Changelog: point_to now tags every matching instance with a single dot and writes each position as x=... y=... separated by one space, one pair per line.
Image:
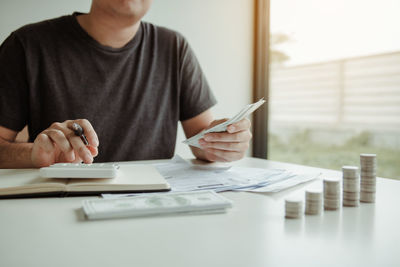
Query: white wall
x=219 y=31
x=16 y=13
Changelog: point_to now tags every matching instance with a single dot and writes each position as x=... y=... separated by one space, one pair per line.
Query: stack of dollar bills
x=246 y=111
x=156 y=204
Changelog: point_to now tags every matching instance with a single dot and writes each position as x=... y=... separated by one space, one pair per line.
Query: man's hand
x=59 y=143
x=227 y=146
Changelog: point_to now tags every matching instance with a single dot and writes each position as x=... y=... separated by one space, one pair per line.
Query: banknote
x=246 y=111
x=156 y=204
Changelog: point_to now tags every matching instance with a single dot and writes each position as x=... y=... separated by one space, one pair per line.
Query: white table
x=53 y=232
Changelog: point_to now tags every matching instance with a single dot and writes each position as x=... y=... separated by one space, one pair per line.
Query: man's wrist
x=16 y=155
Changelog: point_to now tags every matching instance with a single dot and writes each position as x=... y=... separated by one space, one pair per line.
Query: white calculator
x=80 y=170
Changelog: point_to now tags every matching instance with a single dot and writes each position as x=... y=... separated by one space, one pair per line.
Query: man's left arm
x=225 y=146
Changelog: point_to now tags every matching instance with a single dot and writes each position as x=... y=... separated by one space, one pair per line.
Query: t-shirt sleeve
x=13 y=84
x=195 y=96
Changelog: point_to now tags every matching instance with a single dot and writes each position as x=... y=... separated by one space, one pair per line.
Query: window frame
x=261 y=77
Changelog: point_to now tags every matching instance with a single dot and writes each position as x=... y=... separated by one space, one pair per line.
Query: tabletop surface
x=54 y=232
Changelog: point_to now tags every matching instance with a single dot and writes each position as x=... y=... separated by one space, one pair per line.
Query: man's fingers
x=70 y=140
x=93 y=150
x=75 y=141
x=59 y=138
x=88 y=131
x=239 y=126
x=83 y=151
x=59 y=143
x=213 y=157
x=45 y=143
x=225 y=155
x=216 y=122
x=86 y=153
x=228 y=146
x=242 y=136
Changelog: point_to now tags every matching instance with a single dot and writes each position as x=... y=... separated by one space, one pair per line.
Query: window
x=334 y=83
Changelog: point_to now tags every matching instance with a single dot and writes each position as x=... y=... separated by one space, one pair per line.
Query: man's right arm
x=58 y=143
x=14 y=155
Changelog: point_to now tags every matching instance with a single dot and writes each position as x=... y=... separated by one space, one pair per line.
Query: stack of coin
x=313 y=202
x=293 y=208
x=351 y=186
x=331 y=194
x=368 y=177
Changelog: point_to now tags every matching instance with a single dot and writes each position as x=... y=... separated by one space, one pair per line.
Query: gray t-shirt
x=134 y=96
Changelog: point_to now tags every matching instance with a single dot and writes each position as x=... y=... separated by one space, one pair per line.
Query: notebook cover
x=76 y=194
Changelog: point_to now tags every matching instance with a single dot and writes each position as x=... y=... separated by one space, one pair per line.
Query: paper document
x=183 y=176
x=246 y=111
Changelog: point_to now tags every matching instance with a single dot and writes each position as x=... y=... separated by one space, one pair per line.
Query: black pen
x=78 y=130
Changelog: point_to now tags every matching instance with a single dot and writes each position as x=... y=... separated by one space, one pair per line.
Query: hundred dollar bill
x=156 y=204
x=246 y=111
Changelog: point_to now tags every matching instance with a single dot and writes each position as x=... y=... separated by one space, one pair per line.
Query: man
x=126 y=82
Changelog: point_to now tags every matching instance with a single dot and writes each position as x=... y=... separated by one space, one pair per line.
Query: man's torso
x=130 y=95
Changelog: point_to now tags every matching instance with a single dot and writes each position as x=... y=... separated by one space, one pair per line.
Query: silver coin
x=369 y=189
x=315 y=197
x=351 y=196
x=355 y=188
x=368 y=182
x=349 y=170
x=330 y=202
x=368 y=197
x=351 y=203
x=331 y=207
